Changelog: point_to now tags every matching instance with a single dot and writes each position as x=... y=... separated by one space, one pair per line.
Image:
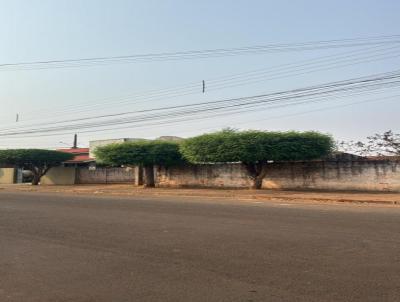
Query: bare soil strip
x=243 y=194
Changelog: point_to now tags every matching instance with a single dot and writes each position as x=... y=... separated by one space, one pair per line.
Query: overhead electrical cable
x=163 y=108
x=200 y=54
x=190 y=119
x=284 y=98
x=341 y=61
x=266 y=119
x=169 y=107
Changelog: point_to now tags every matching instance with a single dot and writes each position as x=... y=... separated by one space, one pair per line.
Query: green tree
x=35 y=160
x=255 y=148
x=145 y=154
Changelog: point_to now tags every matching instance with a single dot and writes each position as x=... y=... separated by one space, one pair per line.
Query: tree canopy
x=145 y=154
x=255 y=148
x=36 y=160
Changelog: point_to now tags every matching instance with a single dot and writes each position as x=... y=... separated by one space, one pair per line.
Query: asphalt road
x=82 y=249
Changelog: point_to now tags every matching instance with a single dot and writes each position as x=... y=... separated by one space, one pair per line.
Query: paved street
x=82 y=249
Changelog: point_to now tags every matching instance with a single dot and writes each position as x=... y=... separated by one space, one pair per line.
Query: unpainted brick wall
x=364 y=175
x=213 y=175
x=105 y=175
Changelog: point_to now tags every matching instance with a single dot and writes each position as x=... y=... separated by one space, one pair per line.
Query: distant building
x=170 y=138
x=344 y=156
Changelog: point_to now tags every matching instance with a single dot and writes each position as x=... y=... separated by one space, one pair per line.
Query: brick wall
x=361 y=175
x=105 y=175
x=364 y=175
x=217 y=175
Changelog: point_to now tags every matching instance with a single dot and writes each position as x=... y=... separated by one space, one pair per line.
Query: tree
x=145 y=154
x=35 y=160
x=387 y=143
x=255 y=148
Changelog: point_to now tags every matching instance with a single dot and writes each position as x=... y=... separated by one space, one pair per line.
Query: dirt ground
x=261 y=195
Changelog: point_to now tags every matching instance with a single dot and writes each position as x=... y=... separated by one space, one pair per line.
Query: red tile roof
x=81 y=155
x=75 y=150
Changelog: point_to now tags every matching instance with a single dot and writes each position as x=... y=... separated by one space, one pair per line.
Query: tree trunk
x=257 y=172
x=148 y=177
x=36 y=178
x=257 y=183
x=38 y=173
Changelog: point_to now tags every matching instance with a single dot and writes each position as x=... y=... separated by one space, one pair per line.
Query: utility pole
x=75 y=146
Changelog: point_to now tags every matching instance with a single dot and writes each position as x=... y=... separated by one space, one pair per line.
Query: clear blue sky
x=35 y=30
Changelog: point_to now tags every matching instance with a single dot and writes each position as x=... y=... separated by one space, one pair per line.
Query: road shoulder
x=261 y=196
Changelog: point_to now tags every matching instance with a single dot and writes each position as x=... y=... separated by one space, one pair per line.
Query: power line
x=196 y=107
x=283 y=98
x=175 y=121
x=201 y=54
x=281 y=71
x=307 y=111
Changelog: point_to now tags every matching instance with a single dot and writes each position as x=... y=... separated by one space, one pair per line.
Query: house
x=81 y=157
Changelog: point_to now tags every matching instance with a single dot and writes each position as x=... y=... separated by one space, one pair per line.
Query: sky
x=40 y=30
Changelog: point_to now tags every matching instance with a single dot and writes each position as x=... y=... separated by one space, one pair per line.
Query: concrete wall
x=217 y=175
x=323 y=175
x=59 y=176
x=7 y=175
x=361 y=175
x=330 y=175
x=105 y=175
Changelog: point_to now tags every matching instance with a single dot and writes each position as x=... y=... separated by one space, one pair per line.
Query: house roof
x=75 y=150
x=81 y=159
x=81 y=155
